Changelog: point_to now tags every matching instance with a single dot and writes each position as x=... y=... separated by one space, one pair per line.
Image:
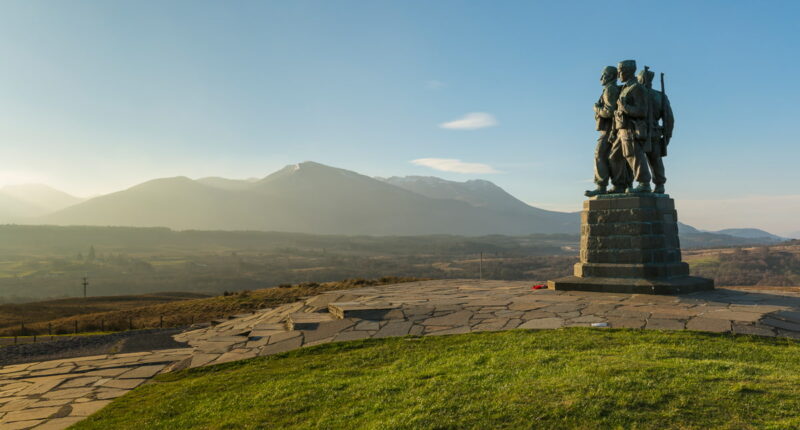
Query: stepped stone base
x=629 y=244
x=677 y=285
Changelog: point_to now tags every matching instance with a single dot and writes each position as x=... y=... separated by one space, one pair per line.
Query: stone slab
x=543 y=323
x=664 y=324
x=366 y=311
x=709 y=324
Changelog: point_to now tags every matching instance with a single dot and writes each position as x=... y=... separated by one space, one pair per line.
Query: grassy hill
x=175 y=309
x=559 y=379
x=12 y=314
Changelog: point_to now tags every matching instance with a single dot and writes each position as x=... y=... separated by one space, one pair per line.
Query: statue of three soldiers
x=632 y=142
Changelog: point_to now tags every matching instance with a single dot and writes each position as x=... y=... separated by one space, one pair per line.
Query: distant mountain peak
x=26 y=200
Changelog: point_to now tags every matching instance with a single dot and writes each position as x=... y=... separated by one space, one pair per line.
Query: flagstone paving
x=55 y=394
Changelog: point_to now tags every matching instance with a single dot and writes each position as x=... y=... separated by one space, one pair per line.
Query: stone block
x=627 y=256
x=647 y=241
x=597 y=204
x=367 y=311
x=620 y=215
x=619 y=270
x=671 y=241
x=665 y=203
x=633 y=202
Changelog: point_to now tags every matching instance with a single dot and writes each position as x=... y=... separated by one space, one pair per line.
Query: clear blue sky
x=98 y=96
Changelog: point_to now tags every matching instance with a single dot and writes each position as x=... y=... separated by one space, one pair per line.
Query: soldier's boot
x=644 y=187
x=659 y=189
x=617 y=190
x=601 y=189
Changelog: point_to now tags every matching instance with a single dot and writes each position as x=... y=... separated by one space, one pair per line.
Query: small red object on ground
x=538 y=287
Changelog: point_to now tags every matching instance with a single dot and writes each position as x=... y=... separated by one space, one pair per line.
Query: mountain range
x=314 y=198
x=309 y=198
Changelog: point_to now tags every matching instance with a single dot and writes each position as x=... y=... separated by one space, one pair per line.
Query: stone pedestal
x=629 y=244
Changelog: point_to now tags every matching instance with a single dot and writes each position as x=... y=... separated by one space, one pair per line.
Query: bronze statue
x=660 y=134
x=631 y=126
x=604 y=109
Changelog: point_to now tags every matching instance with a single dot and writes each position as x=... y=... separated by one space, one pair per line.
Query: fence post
x=161 y=321
x=15 y=340
x=34 y=338
x=50 y=329
x=76 y=326
x=22 y=328
x=130 y=323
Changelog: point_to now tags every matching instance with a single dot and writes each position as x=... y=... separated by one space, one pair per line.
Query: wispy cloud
x=471 y=121
x=454 y=165
x=433 y=84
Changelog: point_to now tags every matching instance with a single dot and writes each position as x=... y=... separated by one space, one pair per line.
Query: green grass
x=44 y=337
x=572 y=378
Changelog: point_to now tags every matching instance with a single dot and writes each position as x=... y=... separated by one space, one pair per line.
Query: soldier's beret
x=627 y=64
x=610 y=70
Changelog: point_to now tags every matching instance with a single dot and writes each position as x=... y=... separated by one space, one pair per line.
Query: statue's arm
x=610 y=96
x=635 y=103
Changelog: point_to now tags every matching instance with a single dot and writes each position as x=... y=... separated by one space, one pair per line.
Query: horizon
x=466 y=91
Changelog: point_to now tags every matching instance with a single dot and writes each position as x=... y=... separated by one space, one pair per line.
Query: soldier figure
x=604 y=117
x=660 y=134
x=631 y=126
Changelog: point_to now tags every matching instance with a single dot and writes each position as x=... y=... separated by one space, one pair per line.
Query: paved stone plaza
x=55 y=394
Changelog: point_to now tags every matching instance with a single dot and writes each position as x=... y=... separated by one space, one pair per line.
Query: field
x=13 y=314
x=569 y=378
x=40 y=262
x=47 y=262
x=777 y=265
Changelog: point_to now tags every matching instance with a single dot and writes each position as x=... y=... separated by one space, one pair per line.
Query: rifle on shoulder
x=663 y=118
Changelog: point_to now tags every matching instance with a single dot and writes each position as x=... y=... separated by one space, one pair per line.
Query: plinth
x=629 y=244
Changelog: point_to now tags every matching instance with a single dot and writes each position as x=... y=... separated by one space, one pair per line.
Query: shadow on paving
x=122 y=342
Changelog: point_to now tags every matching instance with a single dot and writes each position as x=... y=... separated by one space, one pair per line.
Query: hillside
x=777 y=265
x=154 y=310
x=21 y=202
x=751 y=233
x=66 y=310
